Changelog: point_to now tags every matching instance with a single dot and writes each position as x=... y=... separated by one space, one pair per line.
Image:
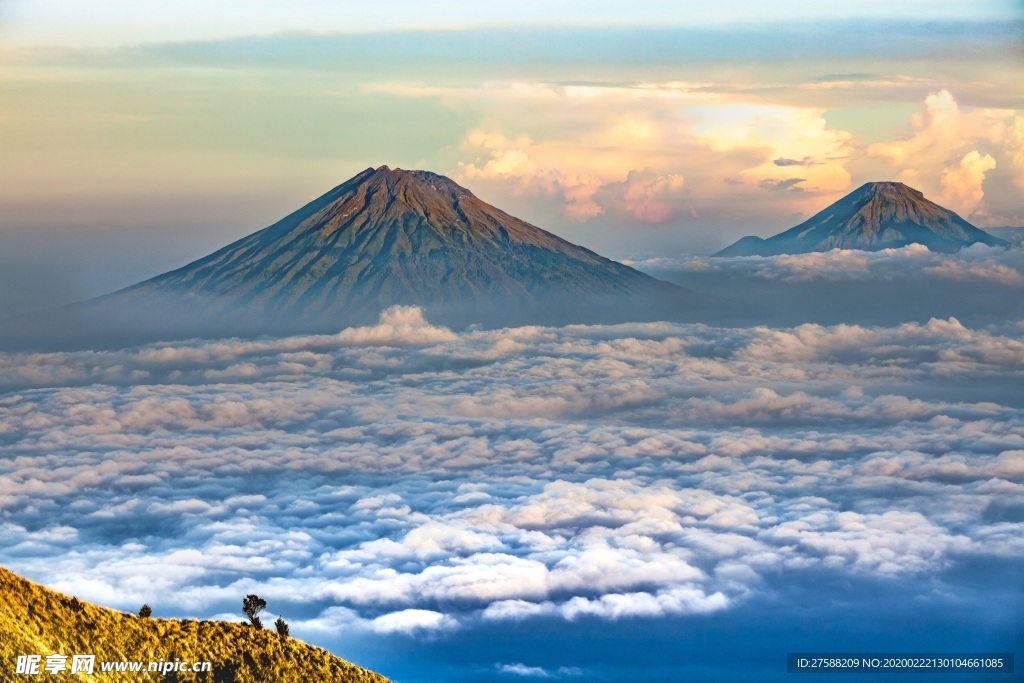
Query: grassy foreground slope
x=36 y=620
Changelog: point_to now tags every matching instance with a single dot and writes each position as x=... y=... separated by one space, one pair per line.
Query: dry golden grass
x=36 y=620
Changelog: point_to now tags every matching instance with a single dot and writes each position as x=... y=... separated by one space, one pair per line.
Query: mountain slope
x=875 y=216
x=36 y=620
x=387 y=237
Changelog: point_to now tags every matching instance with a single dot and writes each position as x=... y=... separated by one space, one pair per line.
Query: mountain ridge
x=875 y=216
x=35 y=620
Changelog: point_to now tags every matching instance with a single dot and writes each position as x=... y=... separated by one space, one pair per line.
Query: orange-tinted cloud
x=641 y=152
x=951 y=150
x=605 y=163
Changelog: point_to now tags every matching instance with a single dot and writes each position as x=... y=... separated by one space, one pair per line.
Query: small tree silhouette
x=145 y=611
x=282 y=627
x=251 y=605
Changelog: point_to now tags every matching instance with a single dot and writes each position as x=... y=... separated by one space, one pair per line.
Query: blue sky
x=122 y=22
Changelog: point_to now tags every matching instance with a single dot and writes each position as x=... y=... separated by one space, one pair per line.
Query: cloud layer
x=403 y=479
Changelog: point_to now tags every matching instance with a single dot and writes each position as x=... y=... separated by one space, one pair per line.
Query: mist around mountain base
x=979 y=286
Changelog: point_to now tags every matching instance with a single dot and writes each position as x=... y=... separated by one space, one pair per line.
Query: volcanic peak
x=391 y=236
x=879 y=215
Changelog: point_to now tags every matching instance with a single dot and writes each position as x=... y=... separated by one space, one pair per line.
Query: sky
x=121 y=22
x=137 y=137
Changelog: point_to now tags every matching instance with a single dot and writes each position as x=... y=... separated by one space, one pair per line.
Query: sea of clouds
x=408 y=479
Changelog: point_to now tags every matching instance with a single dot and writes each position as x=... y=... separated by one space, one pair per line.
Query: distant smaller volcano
x=875 y=216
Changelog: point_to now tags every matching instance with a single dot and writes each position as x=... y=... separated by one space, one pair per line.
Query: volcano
x=875 y=216
x=389 y=237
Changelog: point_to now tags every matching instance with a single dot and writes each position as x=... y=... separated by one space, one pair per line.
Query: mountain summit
x=386 y=237
x=875 y=216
